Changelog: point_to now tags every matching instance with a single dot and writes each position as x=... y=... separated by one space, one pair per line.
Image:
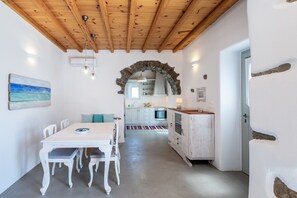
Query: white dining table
x=98 y=136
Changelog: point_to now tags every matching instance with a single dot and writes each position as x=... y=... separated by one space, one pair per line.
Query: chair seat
x=62 y=153
x=96 y=153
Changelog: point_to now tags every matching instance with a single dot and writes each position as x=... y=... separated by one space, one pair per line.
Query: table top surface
x=98 y=133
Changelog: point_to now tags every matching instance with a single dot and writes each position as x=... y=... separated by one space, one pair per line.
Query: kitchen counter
x=190 y=111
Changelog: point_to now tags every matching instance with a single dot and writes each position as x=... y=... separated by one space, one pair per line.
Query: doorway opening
x=229 y=140
x=246 y=130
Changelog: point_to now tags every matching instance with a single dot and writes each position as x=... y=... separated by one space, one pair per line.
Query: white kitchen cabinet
x=140 y=116
x=193 y=136
x=146 y=116
x=131 y=115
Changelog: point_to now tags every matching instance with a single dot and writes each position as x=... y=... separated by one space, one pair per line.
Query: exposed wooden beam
x=25 y=16
x=78 y=17
x=51 y=16
x=162 y=7
x=133 y=4
x=203 y=25
x=190 y=9
x=104 y=15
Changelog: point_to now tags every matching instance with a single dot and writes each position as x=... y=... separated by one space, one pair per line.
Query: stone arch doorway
x=163 y=68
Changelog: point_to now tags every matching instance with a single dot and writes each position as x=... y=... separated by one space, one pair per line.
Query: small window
x=135 y=92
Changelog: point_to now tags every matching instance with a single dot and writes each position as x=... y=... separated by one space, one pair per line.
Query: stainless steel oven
x=160 y=114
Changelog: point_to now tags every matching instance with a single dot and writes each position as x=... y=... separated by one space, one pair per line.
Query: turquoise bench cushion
x=108 y=117
x=98 y=118
x=87 y=118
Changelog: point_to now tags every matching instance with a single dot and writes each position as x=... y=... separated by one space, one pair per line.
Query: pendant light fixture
x=88 y=68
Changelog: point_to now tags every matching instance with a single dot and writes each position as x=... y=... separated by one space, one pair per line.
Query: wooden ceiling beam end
x=205 y=23
x=132 y=12
x=25 y=16
x=104 y=15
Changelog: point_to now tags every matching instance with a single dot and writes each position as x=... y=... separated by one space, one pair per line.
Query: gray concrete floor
x=149 y=168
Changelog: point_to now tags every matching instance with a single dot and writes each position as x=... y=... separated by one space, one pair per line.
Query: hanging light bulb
x=86 y=69
x=93 y=76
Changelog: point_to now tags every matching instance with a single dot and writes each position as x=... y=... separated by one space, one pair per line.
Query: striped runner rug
x=138 y=127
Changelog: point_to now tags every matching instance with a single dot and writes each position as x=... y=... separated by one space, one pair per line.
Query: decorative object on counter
x=163 y=68
x=205 y=76
x=179 y=102
x=82 y=130
x=201 y=94
x=27 y=92
x=147 y=104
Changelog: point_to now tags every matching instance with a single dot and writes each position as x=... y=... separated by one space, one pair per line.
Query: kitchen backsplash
x=155 y=101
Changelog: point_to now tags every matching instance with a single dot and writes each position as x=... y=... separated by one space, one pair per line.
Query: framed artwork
x=27 y=92
x=201 y=94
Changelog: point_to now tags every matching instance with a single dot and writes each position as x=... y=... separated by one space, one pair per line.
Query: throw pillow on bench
x=97 y=118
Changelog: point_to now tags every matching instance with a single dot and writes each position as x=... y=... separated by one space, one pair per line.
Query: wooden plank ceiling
x=121 y=24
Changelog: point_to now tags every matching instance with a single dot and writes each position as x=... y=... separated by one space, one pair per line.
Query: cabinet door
x=131 y=116
x=202 y=137
x=170 y=118
x=135 y=116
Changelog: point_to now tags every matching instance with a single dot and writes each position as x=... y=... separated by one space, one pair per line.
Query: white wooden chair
x=65 y=123
x=97 y=156
x=61 y=155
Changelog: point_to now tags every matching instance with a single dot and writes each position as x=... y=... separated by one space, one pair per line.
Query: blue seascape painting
x=18 y=88
x=27 y=92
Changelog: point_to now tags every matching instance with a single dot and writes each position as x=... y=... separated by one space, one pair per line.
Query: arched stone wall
x=163 y=68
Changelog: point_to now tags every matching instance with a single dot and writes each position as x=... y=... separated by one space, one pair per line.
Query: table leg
x=43 y=154
x=107 y=153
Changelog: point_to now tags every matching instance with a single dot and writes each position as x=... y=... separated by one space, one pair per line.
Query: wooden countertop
x=190 y=111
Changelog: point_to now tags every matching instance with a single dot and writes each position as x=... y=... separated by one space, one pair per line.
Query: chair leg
x=60 y=165
x=86 y=152
x=97 y=166
x=70 y=166
x=91 y=164
x=77 y=159
x=53 y=168
x=81 y=150
x=116 y=170
x=119 y=166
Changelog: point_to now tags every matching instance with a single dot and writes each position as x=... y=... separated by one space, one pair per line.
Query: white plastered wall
x=26 y=52
x=215 y=49
x=273 y=30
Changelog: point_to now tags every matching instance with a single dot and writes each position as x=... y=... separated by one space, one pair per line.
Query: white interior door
x=246 y=129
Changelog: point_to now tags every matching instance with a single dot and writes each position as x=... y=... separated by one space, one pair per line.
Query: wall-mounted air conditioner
x=81 y=61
